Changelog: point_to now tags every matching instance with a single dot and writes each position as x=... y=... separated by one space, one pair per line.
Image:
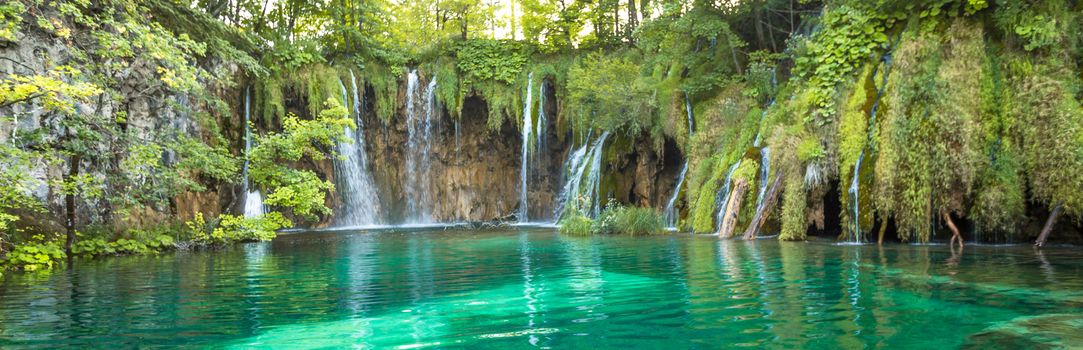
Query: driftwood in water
x=1049 y=223
x=955 y=235
x=769 y=201
x=733 y=209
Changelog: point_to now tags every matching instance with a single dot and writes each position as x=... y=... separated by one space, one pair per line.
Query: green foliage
x=58 y=90
x=35 y=256
x=482 y=60
x=607 y=92
x=133 y=242
x=615 y=219
x=851 y=34
x=933 y=100
x=677 y=39
x=1050 y=124
x=794 y=220
x=300 y=191
x=576 y=224
x=11 y=17
x=232 y=228
x=626 y=220
x=1036 y=23
x=15 y=186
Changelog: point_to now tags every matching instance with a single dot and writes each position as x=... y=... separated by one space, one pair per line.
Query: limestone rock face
x=473 y=173
x=150 y=114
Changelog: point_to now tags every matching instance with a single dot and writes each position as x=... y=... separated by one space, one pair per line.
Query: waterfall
x=543 y=126
x=723 y=197
x=253 y=200
x=688 y=111
x=854 y=183
x=670 y=213
x=765 y=176
x=524 y=166
x=595 y=174
x=578 y=164
x=572 y=175
x=856 y=236
x=355 y=186
x=418 y=151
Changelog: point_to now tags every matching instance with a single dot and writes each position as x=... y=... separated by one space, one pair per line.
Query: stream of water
x=531 y=287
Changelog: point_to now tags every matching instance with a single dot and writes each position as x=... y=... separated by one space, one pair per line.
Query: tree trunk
x=883 y=230
x=511 y=20
x=769 y=202
x=757 y=17
x=69 y=204
x=733 y=209
x=464 y=26
x=955 y=235
x=633 y=22
x=1049 y=223
x=733 y=54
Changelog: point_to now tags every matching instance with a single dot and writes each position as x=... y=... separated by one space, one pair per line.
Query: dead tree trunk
x=1049 y=223
x=762 y=213
x=733 y=208
x=955 y=235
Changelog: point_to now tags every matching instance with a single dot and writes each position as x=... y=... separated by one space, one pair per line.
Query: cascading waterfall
x=543 y=123
x=765 y=153
x=854 y=195
x=578 y=164
x=857 y=236
x=688 y=111
x=765 y=174
x=253 y=200
x=355 y=185
x=669 y=214
x=418 y=151
x=524 y=166
x=595 y=174
x=723 y=198
x=572 y=175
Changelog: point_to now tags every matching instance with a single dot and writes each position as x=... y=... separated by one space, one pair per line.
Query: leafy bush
x=235 y=228
x=35 y=256
x=92 y=247
x=129 y=246
x=300 y=191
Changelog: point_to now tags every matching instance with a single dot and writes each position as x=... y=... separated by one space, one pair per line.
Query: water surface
x=523 y=287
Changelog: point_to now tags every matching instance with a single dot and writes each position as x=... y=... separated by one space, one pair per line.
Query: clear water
x=524 y=287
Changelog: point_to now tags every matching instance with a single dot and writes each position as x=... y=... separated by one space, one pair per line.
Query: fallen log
x=1049 y=223
x=769 y=202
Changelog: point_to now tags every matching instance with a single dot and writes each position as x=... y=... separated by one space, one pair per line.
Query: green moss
x=794 y=221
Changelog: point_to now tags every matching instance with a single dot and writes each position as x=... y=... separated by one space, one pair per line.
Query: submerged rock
x=1057 y=331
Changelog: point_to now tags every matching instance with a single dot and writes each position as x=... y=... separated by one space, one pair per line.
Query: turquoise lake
x=532 y=287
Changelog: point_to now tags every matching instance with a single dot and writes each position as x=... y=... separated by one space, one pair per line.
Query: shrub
x=233 y=228
x=576 y=224
x=619 y=219
x=92 y=247
x=35 y=256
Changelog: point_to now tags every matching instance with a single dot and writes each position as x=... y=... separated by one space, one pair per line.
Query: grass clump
x=619 y=219
x=576 y=225
x=616 y=219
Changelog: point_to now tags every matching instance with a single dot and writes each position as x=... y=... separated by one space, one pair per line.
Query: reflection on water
x=532 y=287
